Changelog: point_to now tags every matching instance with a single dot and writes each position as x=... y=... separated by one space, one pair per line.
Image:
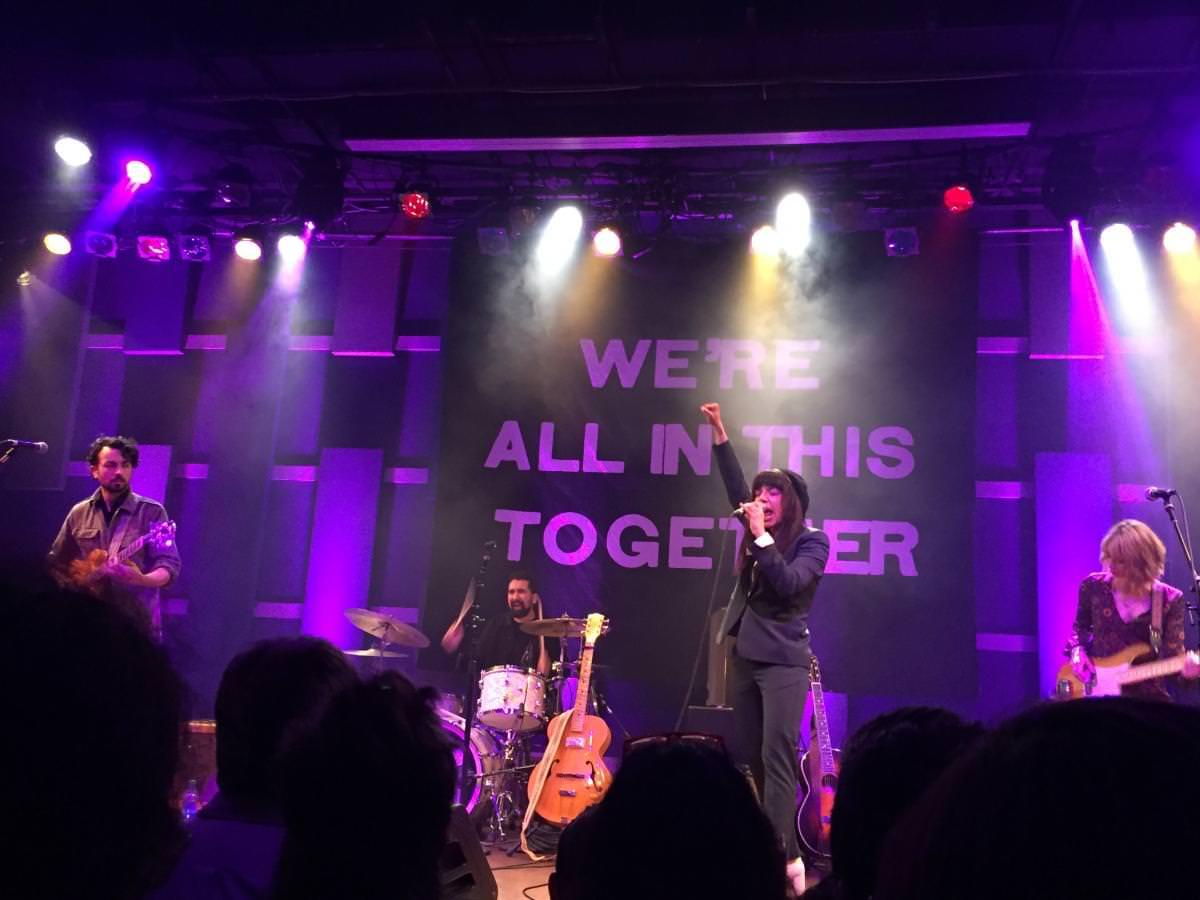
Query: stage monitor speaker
x=465 y=872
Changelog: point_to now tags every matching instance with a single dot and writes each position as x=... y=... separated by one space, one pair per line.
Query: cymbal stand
x=474 y=622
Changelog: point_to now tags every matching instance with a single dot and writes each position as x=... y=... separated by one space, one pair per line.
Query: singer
x=502 y=642
x=779 y=566
x=1126 y=604
x=113 y=517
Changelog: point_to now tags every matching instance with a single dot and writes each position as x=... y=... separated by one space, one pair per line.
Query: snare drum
x=512 y=699
x=485 y=757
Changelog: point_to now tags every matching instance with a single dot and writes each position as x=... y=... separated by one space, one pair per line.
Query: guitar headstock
x=814 y=669
x=593 y=628
x=161 y=534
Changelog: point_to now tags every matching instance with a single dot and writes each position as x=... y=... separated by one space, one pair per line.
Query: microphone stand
x=1192 y=604
x=474 y=622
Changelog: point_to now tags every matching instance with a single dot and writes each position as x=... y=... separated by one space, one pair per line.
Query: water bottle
x=190 y=802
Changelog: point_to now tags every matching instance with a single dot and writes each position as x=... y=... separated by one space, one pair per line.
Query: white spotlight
x=1128 y=275
x=291 y=248
x=73 y=151
x=1179 y=238
x=557 y=243
x=765 y=242
x=793 y=222
x=1118 y=237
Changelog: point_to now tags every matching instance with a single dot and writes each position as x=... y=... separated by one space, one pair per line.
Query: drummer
x=502 y=642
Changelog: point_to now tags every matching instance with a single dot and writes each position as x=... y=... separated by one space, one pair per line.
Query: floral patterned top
x=1101 y=631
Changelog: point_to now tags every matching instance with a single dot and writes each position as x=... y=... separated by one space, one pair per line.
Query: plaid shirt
x=85 y=529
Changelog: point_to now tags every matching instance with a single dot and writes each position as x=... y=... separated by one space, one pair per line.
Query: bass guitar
x=571 y=776
x=85 y=573
x=818 y=778
x=1112 y=672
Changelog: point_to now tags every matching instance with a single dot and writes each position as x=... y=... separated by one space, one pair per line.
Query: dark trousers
x=768 y=703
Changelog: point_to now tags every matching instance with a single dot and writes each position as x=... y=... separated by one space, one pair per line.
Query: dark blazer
x=769 y=607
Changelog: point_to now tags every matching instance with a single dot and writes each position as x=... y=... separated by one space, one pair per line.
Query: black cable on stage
x=687 y=696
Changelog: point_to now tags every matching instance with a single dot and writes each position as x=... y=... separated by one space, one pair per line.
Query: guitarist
x=779 y=565
x=113 y=517
x=1117 y=607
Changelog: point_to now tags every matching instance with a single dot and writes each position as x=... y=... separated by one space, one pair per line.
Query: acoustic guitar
x=85 y=573
x=571 y=776
x=1112 y=672
x=818 y=778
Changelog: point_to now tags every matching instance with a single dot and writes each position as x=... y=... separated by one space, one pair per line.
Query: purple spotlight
x=1075 y=226
x=138 y=172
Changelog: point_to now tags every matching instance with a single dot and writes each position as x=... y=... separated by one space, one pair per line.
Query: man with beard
x=502 y=642
x=112 y=518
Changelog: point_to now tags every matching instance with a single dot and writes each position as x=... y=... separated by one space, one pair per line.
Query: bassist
x=111 y=518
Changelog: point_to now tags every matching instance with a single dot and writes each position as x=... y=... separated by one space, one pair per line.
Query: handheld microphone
x=1157 y=493
x=35 y=446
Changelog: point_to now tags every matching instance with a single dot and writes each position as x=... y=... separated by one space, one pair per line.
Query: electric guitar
x=571 y=775
x=818 y=778
x=85 y=573
x=1120 y=669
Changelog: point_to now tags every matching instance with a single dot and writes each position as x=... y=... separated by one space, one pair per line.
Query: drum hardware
x=386 y=629
x=377 y=652
x=562 y=627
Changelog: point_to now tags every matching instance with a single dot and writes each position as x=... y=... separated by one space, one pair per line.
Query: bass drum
x=484 y=760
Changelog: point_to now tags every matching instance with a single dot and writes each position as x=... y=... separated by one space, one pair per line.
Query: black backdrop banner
x=572 y=436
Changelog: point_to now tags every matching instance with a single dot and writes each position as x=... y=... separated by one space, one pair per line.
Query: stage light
x=415 y=204
x=557 y=243
x=1128 y=275
x=606 y=242
x=902 y=241
x=958 y=198
x=291 y=248
x=72 y=151
x=100 y=243
x=765 y=241
x=1179 y=238
x=247 y=248
x=57 y=243
x=793 y=224
x=153 y=247
x=194 y=247
x=1116 y=237
x=25 y=279
x=138 y=172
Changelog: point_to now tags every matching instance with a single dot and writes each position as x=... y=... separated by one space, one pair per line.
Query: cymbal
x=388 y=629
x=558 y=628
x=375 y=651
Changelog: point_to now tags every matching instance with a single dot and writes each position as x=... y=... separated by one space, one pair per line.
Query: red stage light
x=415 y=205
x=958 y=198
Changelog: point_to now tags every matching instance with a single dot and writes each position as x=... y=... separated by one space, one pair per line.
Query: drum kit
x=514 y=704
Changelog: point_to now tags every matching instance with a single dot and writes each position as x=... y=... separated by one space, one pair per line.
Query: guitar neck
x=824 y=744
x=1152 y=670
x=581 y=694
x=133 y=548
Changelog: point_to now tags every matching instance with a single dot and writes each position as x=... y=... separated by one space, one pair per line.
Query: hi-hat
x=557 y=628
x=375 y=651
x=388 y=629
